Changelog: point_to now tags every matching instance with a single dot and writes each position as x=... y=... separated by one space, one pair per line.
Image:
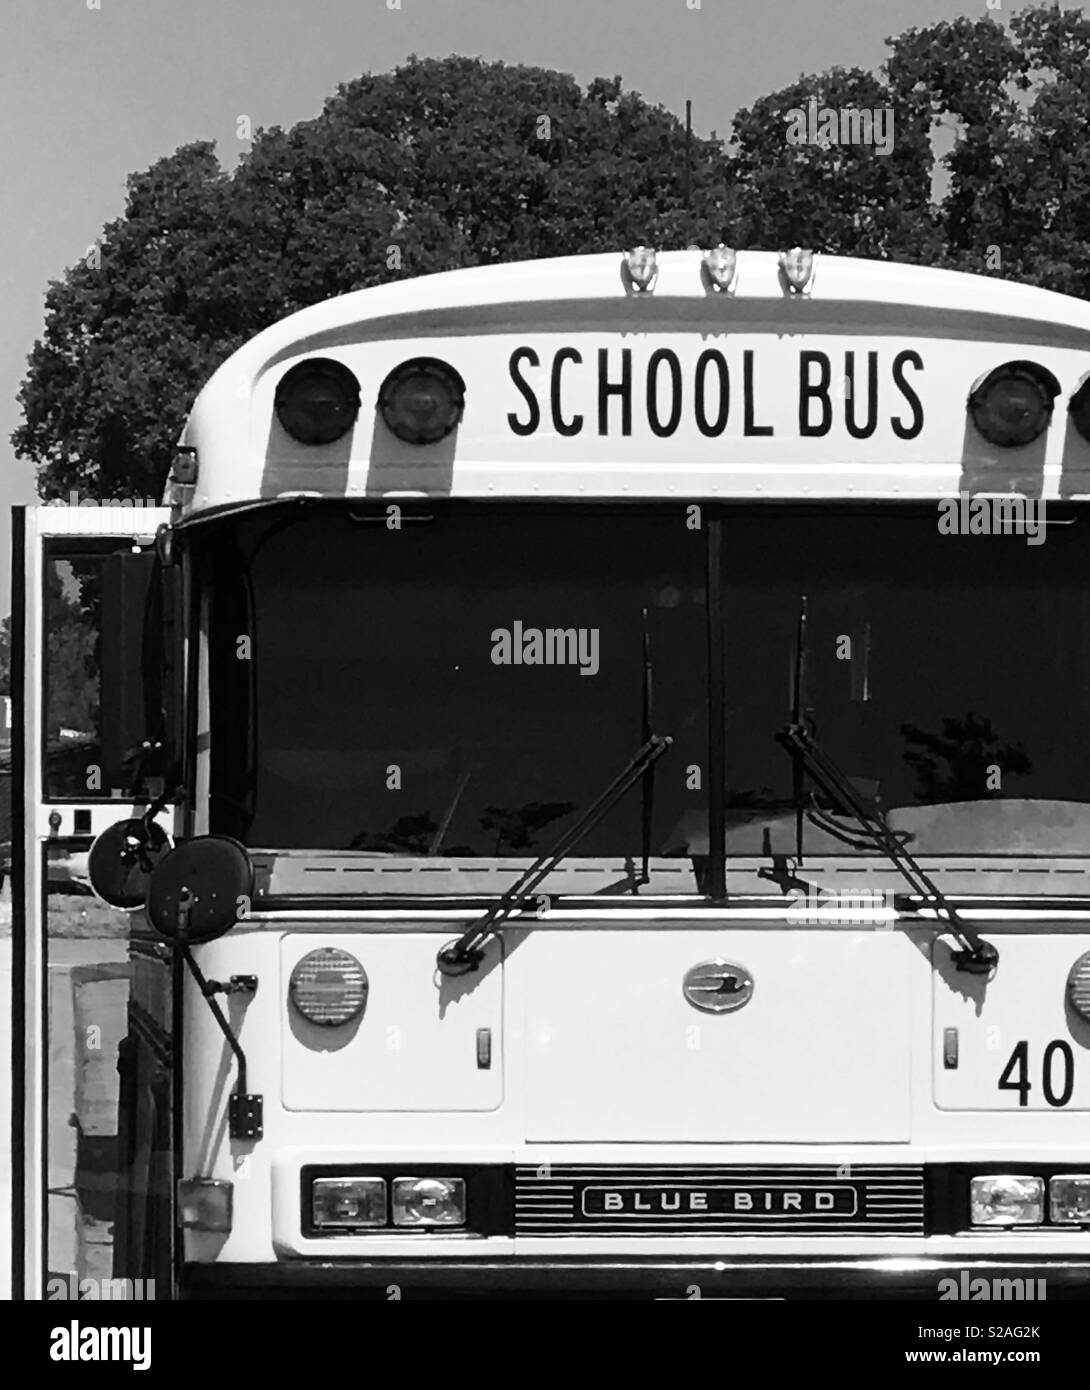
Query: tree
x=454 y=162
x=442 y=163
x=969 y=747
x=72 y=652
x=519 y=827
x=841 y=198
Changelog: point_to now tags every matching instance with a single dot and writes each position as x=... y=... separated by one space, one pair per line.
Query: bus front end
x=635 y=847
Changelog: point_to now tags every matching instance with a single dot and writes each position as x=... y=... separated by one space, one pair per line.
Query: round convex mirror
x=200 y=890
x=122 y=859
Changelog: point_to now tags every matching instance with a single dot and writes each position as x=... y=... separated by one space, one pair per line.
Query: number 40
x=1016 y=1073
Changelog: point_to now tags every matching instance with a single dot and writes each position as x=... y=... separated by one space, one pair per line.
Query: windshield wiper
x=466 y=953
x=977 y=957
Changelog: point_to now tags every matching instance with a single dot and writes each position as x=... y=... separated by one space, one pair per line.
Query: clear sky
x=91 y=90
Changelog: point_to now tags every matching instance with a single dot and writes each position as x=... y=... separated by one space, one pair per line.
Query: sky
x=93 y=90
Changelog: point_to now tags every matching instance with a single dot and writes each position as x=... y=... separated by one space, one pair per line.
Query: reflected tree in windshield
x=518 y=830
x=408 y=835
x=971 y=752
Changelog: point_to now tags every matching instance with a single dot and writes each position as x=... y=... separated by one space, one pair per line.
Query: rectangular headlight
x=1069 y=1199
x=429 y=1201
x=340 y=1203
x=1003 y=1199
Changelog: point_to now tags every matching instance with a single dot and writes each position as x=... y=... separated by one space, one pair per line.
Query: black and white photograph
x=545 y=670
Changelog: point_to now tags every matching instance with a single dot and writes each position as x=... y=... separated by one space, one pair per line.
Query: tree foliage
x=969 y=748
x=72 y=653
x=454 y=162
x=437 y=165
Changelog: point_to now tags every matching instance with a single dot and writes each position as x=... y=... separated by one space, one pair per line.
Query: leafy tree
x=412 y=834
x=841 y=198
x=442 y=163
x=455 y=162
x=72 y=655
x=518 y=829
x=1015 y=185
x=968 y=747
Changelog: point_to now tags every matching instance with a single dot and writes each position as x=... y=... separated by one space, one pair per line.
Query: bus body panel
x=798 y=422
x=612 y=1128
x=784 y=1067
x=422 y=1042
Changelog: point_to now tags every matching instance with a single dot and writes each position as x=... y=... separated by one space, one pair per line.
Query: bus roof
x=577 y=384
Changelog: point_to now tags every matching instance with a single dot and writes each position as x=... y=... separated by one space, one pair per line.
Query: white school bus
x=604 y=802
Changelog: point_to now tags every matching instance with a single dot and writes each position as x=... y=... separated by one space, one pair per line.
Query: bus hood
x=601 y=1032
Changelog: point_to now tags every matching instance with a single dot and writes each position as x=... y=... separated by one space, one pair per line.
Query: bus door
x=93 y=685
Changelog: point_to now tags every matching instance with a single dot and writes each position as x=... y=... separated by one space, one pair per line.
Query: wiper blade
x=466 y=953
x=977 y=957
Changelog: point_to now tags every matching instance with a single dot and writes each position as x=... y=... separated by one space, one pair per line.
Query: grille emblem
x=717 y=986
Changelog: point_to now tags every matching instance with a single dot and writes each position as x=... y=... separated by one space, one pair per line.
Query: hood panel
x=617 y=1053
x=414 y=1047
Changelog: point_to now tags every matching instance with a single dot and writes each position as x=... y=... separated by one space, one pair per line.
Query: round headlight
x=317 y=401
x=1078 y=986
x=422 y=400
x=328 y=987
x=1013 y=405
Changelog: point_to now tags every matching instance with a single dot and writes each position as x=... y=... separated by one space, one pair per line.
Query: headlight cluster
x=1010 y=1199
x=350 y=1204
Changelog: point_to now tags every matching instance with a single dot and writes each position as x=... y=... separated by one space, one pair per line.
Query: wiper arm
x=465 y=954
x=977 y=957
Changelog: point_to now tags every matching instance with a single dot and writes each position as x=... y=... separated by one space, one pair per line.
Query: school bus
x=591 y=757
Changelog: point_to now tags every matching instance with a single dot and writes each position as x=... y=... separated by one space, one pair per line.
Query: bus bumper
x=842 y=1278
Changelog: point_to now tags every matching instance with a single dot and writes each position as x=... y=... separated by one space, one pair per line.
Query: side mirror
x=200 y=890
x=123 y=858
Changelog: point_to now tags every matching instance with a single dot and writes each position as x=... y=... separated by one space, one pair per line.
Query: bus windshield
x=458 y=682
x=466 y=682
x=940 y=668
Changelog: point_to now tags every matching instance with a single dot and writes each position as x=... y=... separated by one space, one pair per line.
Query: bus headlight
x=317 y=401
x=1007 y=1200
x=328 y=987
x=1069 y=1200
x=1078 y=986
x=1012 y=405
x=340 y=1203
x=422 y=400
x=429 y=1202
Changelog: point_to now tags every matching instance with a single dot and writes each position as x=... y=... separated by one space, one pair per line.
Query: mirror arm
x=169 y=794
x=244 y=1111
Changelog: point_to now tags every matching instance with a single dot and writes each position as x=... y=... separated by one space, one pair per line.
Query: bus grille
x=641 y=1199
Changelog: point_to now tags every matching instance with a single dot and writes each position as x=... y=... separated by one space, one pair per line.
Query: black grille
x=801 y=1199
